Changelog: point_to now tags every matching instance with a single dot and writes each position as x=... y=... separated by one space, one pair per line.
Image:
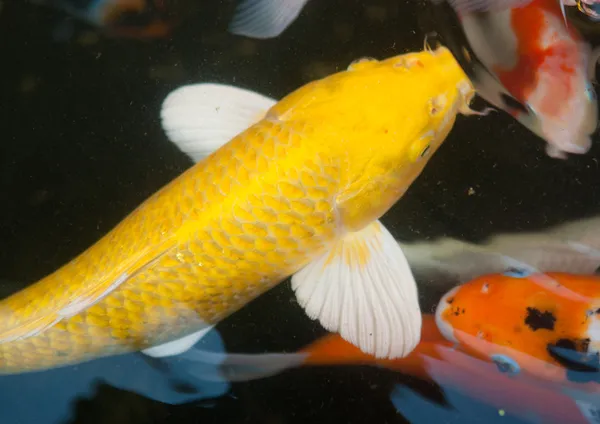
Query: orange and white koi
x=523 y=343
x=529 y=63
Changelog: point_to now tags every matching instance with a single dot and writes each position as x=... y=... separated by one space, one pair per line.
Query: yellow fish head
x=385 y=119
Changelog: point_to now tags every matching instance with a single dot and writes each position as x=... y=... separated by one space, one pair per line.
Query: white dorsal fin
x=364 y=290
x=200 y=118
x=265 y=18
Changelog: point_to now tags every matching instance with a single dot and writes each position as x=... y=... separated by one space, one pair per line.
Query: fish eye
x=420 y=147
x=506 y=365
x=517 y=273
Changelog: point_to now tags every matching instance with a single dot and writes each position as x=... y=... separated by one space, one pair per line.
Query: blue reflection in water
x=48 y=397
x=463 y=409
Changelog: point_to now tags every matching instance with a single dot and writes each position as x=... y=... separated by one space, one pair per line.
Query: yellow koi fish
x=297 y=192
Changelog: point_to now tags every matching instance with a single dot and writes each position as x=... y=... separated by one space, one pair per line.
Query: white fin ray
x=265 y=18
x=364 y=290
x=175 y=347
x=200 y=118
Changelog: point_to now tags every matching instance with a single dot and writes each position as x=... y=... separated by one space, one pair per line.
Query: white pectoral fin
x=364 y=289
x=175 y=347
x=200 y=118
x=265 y=18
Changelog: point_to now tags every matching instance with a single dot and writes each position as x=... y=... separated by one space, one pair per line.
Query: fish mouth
x=443 y=326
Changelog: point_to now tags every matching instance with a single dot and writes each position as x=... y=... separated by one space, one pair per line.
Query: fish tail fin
x=200 y=118
x=265 y=18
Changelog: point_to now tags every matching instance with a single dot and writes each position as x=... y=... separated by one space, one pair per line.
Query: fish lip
x=445 y=329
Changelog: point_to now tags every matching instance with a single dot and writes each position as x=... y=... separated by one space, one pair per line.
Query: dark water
x=81 y=146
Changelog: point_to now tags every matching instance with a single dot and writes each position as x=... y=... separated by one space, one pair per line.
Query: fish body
x=298 y=192
x=534 y=66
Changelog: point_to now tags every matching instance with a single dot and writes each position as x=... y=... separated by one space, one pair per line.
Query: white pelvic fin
x=364 y=290
x=200 y=118
x=175 y=347
x=265 y=18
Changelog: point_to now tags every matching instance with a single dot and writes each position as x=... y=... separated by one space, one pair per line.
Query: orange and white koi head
x=545 y=324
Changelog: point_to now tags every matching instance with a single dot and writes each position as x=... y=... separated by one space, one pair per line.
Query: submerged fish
x=533 y=66
x=297 y=193
x=265 y=18
x=572 y=247
x=437 y=360
x=125 y=18
x=523 y=344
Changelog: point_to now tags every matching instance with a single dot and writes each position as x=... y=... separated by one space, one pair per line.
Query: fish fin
x=200 y=118
x=81 y=297
x=364 y=290
x=265 y=18
x=175 y=347
x=479 y=6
